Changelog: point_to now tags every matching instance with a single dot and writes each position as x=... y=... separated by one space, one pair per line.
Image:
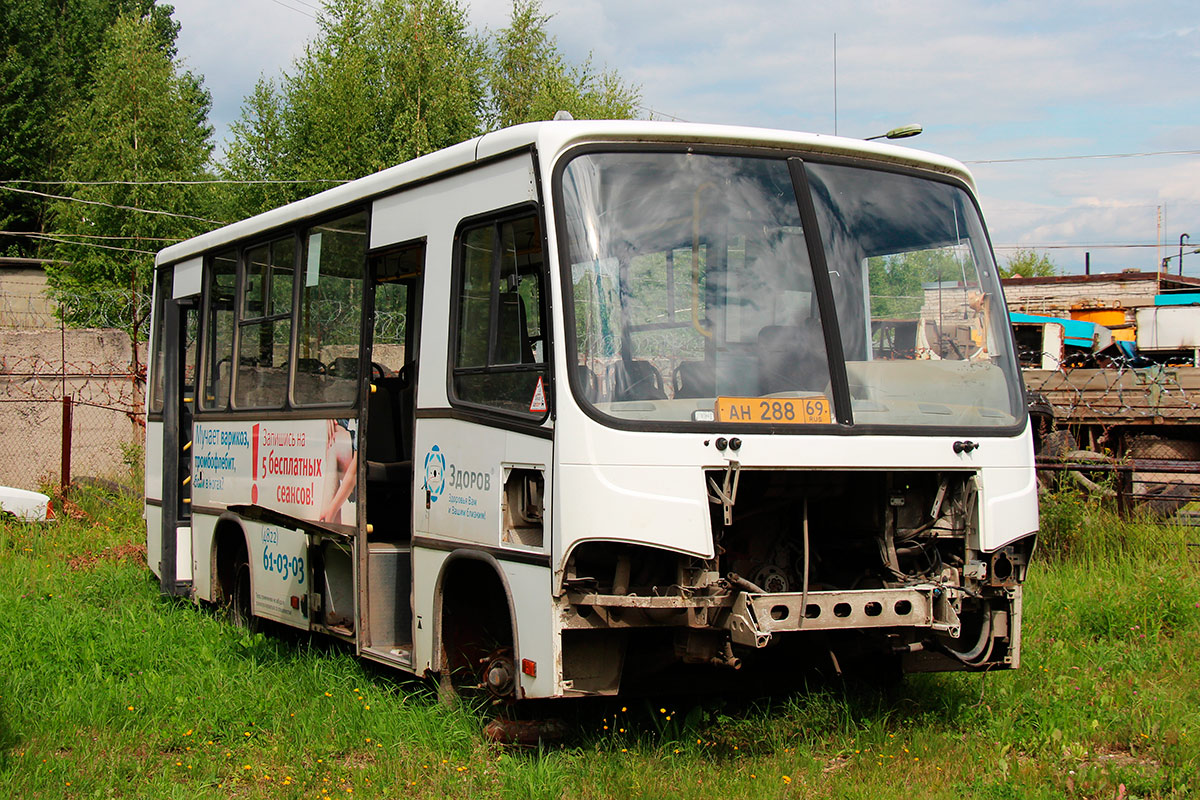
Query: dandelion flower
x=786 y=779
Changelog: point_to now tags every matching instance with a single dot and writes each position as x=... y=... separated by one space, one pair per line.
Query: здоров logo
x=435 y=473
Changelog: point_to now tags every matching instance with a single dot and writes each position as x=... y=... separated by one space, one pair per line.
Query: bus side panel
x=426 y=566
x=153 y=488
x=536 y=645
x=529 y=588
x=458 y=480
x=153 y=516
x=203 y=583
x=279 y=572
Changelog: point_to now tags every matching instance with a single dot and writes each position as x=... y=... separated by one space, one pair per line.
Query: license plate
x=774 y=410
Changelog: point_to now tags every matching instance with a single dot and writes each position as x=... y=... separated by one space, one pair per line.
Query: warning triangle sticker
x=538 y=404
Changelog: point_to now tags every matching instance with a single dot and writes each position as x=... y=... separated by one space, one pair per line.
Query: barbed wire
x=1079 y=389
x=35 y=306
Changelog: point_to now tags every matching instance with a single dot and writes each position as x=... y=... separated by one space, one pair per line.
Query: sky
x=1018 y=90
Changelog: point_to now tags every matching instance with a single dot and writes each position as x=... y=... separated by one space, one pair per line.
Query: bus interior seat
x=695 y=379
x=792 y=358
x=636 y=380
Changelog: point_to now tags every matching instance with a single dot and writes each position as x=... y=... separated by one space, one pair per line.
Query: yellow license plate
x=774 y=410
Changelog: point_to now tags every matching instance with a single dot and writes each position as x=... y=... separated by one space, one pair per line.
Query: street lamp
x=903 y=132
x=1182 y=236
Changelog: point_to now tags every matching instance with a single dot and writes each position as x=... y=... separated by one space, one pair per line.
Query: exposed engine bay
x=863 y=564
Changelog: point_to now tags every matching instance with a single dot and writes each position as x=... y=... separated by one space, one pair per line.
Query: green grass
x=107 y=690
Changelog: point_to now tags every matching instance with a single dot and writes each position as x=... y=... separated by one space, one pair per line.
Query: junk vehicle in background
x=581 y=407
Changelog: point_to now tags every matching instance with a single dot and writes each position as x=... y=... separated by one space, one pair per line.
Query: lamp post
x=1182 y=236
x=903 y=132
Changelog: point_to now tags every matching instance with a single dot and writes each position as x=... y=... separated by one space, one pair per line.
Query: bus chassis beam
x=755 y=618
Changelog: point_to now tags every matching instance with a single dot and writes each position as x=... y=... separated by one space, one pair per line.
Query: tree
x=1028 y=264
x=142 y=121
x=386 y=81
x=529 y=79
x=47 y=48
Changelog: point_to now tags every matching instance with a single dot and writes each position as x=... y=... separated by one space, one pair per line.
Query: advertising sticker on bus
x=305 y=468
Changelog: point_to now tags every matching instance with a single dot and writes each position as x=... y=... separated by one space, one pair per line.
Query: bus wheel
x=240 y=613
x=477 y=635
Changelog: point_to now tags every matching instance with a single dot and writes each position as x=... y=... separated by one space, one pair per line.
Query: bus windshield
x=693 y=294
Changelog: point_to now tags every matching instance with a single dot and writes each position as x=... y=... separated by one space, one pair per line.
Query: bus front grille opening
x=880 y=559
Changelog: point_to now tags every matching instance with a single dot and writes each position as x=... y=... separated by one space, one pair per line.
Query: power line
x=206 y=182
x=94 y=236
x=1083 y=157
x=650 y=110
x=1083 y=246
x=109 y=205
x=293 y=8
x=94 y=245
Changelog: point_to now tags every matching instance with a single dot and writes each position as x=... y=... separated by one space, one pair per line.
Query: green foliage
x=529 y=79
x=896 y=280
x=153 y=130
x=384 y=81
x=1028 y=264
x=47 y=48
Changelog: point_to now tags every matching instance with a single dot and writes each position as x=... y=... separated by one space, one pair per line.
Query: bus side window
x=499 y=356
x=218 y=329
x=332 y=275
x=162 y=289
x=265 y=325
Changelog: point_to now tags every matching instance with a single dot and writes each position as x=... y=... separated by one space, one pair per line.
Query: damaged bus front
x=796 y=429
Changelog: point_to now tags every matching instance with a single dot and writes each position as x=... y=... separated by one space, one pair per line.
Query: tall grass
x=108 y=690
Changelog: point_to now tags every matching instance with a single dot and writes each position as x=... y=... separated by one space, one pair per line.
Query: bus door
x=394 y=317
x=180 y=322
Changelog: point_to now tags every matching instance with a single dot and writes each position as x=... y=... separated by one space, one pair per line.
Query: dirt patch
x=123 y=552
x=1120 y=756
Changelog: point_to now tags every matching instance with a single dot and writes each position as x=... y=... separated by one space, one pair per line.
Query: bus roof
x=551 y=138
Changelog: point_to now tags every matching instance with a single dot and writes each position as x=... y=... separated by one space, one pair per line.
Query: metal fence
x=70 y=406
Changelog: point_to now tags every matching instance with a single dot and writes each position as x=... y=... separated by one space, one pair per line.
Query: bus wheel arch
x=475 y=631
x=231 y=567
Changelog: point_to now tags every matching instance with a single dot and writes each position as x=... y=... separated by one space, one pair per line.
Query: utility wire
x=650 y=110
x=1069 y=246
x=293 y=8
x=206 y=182
x=47 y=238
x=1080 y=158
x=94 y=236
x=109 y=205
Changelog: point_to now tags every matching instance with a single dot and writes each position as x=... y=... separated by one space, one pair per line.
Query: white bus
x=577 y=408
